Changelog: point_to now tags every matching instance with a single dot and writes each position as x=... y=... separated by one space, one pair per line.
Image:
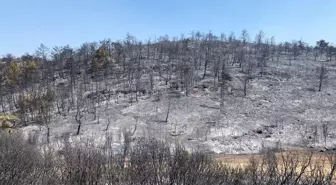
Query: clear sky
x=24 y=24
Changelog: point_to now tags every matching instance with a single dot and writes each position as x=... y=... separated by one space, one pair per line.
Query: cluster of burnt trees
x=152 y=162
x=61 y=79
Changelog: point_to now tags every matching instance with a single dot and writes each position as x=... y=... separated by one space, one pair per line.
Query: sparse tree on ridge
x=322 y=45
x=322 y=74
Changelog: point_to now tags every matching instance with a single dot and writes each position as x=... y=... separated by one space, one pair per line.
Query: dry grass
x=245 y=159
x=303 y=160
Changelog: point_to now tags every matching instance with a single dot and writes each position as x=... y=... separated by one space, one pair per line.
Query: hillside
x=206 y=93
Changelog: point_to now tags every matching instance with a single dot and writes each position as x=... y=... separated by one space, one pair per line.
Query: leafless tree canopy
x=134 y=68
x=151 y=162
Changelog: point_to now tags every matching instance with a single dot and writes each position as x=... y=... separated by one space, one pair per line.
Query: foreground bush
x=149 y=162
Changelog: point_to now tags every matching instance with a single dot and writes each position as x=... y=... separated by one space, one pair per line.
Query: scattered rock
x=214 y=139
x=258 y=131
x=174 y=85
x=213 y=89
x=206 y=84
x=235 y=137
x=323 y=149
x=310 y=89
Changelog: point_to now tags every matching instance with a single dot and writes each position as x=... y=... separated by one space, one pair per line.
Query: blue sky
x=24 y=24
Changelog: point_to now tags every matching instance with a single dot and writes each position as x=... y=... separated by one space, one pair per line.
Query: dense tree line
x=61 y=79
x=152 y=162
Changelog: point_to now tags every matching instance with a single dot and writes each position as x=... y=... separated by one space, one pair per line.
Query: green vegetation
x=7 y=122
